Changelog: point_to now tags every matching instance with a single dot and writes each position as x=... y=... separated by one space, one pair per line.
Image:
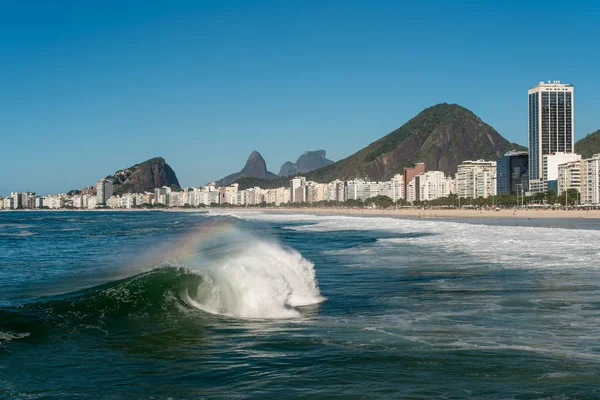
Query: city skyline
x=88 y=94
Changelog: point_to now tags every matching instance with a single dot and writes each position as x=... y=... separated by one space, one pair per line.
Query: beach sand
x=446 y=214
x=403 y=213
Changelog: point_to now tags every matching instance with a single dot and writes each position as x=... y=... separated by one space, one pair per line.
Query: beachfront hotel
x=551 y=126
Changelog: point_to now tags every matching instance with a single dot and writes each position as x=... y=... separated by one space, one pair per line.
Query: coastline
x=433 y=214
x=402 y=213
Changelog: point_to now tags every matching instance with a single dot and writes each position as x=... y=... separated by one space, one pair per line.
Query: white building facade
x=590 y=177
x=476 y=179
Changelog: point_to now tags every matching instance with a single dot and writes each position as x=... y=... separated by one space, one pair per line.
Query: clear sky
x=89 y=87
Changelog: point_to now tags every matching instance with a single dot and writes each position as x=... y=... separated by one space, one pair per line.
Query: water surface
x=111 y=305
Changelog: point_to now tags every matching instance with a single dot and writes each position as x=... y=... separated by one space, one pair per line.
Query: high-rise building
x=551 y=125
x=17 y=200
x=512 y=172
x=476 y=179
x=104 y=190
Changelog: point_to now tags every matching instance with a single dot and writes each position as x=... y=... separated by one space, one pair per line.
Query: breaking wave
x=233 y=275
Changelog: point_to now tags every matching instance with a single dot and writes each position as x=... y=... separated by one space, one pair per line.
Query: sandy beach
x=446 y=214
x=405 y=212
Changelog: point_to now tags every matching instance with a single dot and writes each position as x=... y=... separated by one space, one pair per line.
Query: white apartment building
x=270 y=196
x=295 y=184
x=8 y=203
x=300 y=194
x=277 y=196
x=335 y=191
x=90 y=202
x=316 y=192
x=228 y=195
x=569 y=176
x=55 y=201
x=476 y=179
x=411 y=191
x=361 y=190
x=77 y=201
x=17 y=200
x=252 y=196
x=433 y=185
x=550 y=163
x=394 y=189
x=486 y=184
x=429 y=185
x=114 y=202
x=590 y=193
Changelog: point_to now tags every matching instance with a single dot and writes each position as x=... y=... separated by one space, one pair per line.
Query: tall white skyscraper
x=551 y=126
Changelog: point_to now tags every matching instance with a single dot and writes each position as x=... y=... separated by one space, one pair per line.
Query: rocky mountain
x=255 y=167
x=441 y=136
x=145 y=176
x=589 y=145
x=307 y=162
x=288 y=168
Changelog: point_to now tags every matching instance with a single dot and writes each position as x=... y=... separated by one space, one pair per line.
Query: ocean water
x=170 y=305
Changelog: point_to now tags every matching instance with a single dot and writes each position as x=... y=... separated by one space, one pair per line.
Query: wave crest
x=228 y=273
x=264 y=281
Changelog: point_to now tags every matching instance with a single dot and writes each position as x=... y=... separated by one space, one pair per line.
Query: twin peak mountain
x=256 y=167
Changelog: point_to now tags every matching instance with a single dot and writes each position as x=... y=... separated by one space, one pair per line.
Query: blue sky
x=90 y=87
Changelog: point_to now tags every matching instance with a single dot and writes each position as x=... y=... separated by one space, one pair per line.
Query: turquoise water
x=112 y=305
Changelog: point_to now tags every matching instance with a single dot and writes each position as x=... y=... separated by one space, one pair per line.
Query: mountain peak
x=441 y=136
x=255 y=167
x=145 y=176
x=308 y=161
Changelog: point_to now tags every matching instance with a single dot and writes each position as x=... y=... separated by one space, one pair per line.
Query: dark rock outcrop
x=441 y=136
x=145 y=176
x=307 y=162
x=589 y=145
x=255 y=167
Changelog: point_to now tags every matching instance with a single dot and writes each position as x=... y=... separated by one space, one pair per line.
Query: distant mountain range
x=256 y=168
x=441 y=136
x=307 y=162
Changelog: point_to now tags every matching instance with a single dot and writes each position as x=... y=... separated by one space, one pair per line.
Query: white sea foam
x=263 y=280
x=8 y=336
x=511 y=246
x=18 y=234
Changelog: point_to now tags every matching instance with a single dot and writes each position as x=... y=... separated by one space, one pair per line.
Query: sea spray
x=217 y=268
x=264 y=280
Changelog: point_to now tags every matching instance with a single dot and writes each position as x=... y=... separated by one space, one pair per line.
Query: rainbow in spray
x=243 y=276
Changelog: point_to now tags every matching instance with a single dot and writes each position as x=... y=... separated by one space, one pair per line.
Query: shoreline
x=357 y=212
x=436 y=214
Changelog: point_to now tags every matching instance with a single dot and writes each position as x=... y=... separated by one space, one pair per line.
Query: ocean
x=193 y=305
